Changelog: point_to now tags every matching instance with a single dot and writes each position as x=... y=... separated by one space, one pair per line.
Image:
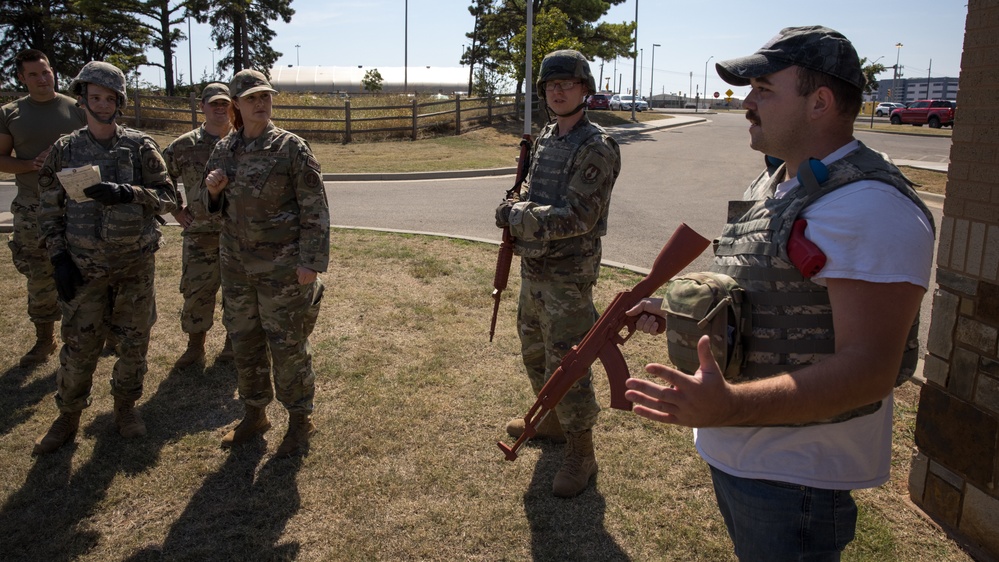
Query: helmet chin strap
x=117 y=111
x=571 y=113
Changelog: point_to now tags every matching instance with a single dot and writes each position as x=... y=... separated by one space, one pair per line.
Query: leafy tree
x=160 y=18
x=241 y=29
x=71 y=33
x=502 y=31
x=870 y=72
x=372 y=81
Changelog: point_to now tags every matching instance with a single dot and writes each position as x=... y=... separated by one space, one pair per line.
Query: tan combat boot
x=44 y=345
x=127 y=419
x=549 y=429
x=226 y=354
x=194 y=353
x=296 y=440
x=254 y=423
x=62 y=431
x=578 y=467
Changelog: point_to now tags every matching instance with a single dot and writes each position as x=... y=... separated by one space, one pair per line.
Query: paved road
x=684 y=174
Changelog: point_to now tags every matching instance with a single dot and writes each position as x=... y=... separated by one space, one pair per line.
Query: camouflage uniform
x=113 y=248
x=557 y=223
x=275 y=219
x=33 y=127
x=200 y=280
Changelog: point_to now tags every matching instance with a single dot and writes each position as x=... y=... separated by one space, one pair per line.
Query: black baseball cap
x=813 y=47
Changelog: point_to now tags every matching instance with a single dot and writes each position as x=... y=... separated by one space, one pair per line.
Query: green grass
x=411 y=399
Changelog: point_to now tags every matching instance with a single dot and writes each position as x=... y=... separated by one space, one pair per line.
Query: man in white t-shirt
x=810 y=418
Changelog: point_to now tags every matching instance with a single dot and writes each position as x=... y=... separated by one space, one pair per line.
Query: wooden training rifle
x=505 y=257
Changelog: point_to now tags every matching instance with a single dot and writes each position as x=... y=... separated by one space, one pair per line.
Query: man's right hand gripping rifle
x=505 y=257
x=603 y=339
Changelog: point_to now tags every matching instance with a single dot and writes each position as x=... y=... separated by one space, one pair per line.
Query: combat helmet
x=103 y=74
x=567 y=63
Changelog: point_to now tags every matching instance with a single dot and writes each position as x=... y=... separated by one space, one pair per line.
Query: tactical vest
x=552 y=164
x=114 y=229
x=790 y=317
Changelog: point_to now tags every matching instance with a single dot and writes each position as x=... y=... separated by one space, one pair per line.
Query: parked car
x=935 y=113
x=886 y=107
x=623 y=103
x=598 y=101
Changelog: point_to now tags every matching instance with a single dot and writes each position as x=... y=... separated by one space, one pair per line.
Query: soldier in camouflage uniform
x=557 y=220
x=809 y=416
x=28 y=127
x=275 y=240
x=102 y=249
x=200 y=280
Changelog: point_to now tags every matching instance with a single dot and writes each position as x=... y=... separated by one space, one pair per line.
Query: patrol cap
x=247 y=82
x=215 y=91
x=813 y=47
x=566 y=63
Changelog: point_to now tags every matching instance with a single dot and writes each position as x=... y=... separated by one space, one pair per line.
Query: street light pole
x=405 y=51
x=634 y=72
x=706 y=79
x=298 y=61
x=894 y=77
x=652 y=73
x=190 y=57
x=212 y=49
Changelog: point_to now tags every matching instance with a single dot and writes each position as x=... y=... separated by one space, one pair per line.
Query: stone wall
x=955 y=470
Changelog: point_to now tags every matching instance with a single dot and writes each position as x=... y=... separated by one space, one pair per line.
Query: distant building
x=912 y=89
x=347 y=79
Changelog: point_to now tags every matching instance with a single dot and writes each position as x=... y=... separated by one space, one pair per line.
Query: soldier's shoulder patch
x=591 y=173
x=312 y=178
x=45 y=177
x=312 y=163
x=154 y=162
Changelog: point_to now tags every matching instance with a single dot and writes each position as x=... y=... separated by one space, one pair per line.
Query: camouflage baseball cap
x=813 y=47
x=215 y=91
x=247 y=82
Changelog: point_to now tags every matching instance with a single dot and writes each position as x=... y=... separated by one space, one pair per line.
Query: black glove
x=110 y=193
x=67 y=276
x=503 y=214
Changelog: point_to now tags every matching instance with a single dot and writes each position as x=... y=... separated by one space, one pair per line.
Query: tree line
x=122 y=32
x=74 y=32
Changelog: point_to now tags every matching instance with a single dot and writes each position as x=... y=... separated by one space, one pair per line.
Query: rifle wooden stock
x=505 y=257
x=603 y=339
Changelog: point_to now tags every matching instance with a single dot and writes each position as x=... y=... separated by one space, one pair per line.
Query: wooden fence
x=332 y=122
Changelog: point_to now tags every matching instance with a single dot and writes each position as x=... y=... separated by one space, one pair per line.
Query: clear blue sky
x=371 y=33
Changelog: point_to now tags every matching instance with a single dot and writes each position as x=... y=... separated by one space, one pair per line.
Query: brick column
x=955 y=469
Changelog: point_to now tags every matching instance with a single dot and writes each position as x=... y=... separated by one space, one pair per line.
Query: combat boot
x=194 y=353
x=62 y=431
x=254 y=423
x=549 y=429
x=127 y=419
x=226 y=354
x=578 y=467
x=44 y=345
x=296 y=440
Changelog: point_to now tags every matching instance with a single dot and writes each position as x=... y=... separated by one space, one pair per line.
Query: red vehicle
x=935 y=113
x=598 y=101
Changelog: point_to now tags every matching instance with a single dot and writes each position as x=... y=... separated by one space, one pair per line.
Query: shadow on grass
x=17 y=399
x=47 y=519
x=235 y=516
x=566 y=529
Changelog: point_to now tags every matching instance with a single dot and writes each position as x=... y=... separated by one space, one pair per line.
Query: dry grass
x=411 y=400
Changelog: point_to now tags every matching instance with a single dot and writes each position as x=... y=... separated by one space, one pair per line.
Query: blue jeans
x=776 y=521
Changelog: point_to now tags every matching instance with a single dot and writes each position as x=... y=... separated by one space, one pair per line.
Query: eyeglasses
x=562 y=86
